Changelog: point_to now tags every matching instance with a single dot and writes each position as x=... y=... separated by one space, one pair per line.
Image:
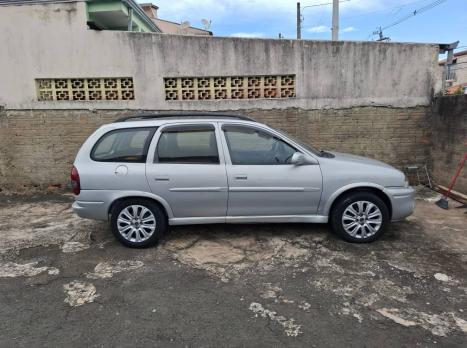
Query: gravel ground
x=65 y=281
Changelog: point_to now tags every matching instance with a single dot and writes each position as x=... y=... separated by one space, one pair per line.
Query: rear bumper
x=90 y=210
x=402 y=201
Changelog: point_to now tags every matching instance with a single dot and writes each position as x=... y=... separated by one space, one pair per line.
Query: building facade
x=458 y=73
x=169 y=27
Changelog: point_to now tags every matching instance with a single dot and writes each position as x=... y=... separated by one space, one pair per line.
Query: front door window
x=250 y=146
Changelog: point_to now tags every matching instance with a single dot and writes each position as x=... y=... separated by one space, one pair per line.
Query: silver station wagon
x=148 y=171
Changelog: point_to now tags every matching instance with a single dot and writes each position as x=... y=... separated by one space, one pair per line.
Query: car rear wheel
x=360 y=217
x=138 y=223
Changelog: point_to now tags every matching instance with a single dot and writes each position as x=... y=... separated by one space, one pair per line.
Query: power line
x=384 y=9
x=323 y=4
x=421 y=10
x=414 y=13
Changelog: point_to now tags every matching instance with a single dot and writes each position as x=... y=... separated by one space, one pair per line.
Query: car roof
x=182 y=115
x=158 y=119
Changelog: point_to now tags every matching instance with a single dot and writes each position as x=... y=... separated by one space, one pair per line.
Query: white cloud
x=267 y=16
x=318 y=29
x=216 y=9
x=248 y=35
x=325 y=29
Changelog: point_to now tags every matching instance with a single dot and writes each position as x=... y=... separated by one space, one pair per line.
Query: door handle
x=241 y=177
x=161 y=178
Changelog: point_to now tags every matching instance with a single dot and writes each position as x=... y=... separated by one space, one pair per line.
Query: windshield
x=301 y=143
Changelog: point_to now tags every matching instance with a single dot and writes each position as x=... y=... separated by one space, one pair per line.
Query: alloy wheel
x=136 y=223
x=362 y=219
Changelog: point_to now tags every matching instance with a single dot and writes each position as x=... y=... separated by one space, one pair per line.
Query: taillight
x=75 y=184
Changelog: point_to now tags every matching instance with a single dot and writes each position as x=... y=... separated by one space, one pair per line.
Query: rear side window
x=123 y=145
x=188 y=144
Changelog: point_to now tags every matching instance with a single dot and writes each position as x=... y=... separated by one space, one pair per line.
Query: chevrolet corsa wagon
x=146 y=172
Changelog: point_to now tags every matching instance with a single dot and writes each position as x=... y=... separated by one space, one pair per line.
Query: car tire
x=360 y=217
x=138 y=223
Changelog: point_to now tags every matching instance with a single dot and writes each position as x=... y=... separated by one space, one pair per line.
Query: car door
x=188 y=171
x=262 y=181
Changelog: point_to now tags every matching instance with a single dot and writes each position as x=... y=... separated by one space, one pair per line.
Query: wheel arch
x=375 y=189
x=153 y=198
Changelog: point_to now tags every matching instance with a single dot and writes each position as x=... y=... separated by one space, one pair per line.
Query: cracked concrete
x=218 y=285
x=40 y=223
x=11 y=270
x=108 y=269
x=290 y=328
x=79 y=293
x=74 y=247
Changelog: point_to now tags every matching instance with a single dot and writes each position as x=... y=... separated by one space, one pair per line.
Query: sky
x=444 y=23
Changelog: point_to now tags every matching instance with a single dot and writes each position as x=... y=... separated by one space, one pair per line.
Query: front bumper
x=402 y=201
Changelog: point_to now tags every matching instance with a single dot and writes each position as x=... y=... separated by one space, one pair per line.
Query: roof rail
x=145 y=116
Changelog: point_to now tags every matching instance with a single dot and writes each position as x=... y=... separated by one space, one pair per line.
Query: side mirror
x=300 y=159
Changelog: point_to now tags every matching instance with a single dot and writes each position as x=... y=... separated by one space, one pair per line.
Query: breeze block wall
x=37 y=148
x=67 y=66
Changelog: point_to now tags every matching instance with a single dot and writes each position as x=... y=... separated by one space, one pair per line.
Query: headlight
x=406 y=182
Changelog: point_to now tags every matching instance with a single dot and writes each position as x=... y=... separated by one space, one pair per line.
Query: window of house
x=123 y=145
x=256 y=147
x=194 y=144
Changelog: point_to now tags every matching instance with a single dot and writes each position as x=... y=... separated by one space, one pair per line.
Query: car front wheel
x=360 y=217
x=138 y=223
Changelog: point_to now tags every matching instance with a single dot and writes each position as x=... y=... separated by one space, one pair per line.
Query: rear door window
x=123 y=145
x=189 y=144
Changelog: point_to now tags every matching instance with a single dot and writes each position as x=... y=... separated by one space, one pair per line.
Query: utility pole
x=335 y=17
x=335 y=20
x=381 y=36
x=299 y=22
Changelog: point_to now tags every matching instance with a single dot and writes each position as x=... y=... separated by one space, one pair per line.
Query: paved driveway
x=64 y=281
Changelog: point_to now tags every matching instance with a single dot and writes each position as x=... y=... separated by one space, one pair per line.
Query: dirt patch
x=439 y=324
x=289 y=325
x=109 y=268
x=12 y=270
x=79 y=293
x=227 y=255
x=41 y=224
x=74 y=247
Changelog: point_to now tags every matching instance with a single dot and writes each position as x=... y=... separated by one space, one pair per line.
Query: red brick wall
x=37 y=148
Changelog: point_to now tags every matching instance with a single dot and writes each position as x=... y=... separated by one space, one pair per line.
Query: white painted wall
x=47 y=41
x=460 y=68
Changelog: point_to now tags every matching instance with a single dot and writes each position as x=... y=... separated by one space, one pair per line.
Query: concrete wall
x=449 y=139
x=47 y=41
x=37 y=148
